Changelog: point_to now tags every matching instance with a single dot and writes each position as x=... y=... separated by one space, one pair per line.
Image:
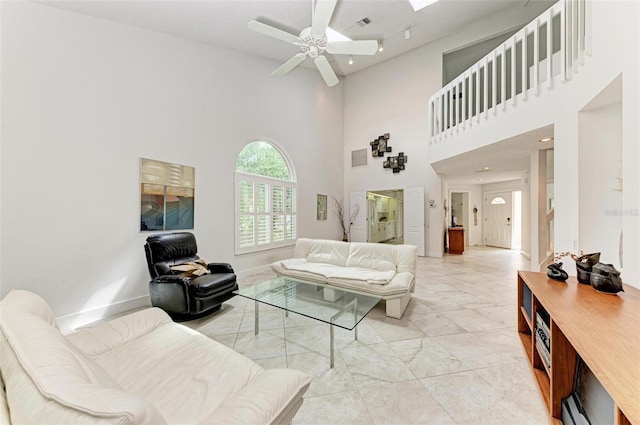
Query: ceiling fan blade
x=322 y=16
x=357 y=47
x=286 y=67
x=274 y=32
x=326 y=71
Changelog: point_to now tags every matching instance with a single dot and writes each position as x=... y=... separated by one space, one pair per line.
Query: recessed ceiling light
x=546 y=139
x=480 y=180
x=483 y=169
x=350 y=60
x=421 y=4
x=407 y=33
x=380 y=46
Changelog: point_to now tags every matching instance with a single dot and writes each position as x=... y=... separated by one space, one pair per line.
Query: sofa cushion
x=279 y=268
x=172 y=361
x=49 y=380
x=401 y=258
x=322 y=251
x=399 y=285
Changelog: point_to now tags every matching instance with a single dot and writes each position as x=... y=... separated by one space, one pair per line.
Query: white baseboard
x=255 y=270
x=71 y=322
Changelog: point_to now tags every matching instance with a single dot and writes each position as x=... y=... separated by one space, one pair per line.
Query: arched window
x=498 y=201
x=265 y=198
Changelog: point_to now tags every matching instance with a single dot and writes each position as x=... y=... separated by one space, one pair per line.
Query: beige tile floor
x=454 y=357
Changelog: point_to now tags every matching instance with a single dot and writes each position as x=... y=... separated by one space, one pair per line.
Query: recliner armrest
x=171 y=293
x=220 y=268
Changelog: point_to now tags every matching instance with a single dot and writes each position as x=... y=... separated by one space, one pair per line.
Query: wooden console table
x=603 y=329
x=456 y=240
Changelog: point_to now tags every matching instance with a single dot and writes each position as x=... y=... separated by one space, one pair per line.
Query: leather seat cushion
x=209 y=284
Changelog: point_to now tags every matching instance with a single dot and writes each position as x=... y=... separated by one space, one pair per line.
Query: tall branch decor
x=341 y=213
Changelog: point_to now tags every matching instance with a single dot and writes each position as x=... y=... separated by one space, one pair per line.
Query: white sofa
x=138 y=369
x=384 y=270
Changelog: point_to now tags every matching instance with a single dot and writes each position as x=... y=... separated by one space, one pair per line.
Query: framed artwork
x=321 y=208
x=167 y=196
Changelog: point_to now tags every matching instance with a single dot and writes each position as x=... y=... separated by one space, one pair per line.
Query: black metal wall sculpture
x=380 y=145
x=396 y=163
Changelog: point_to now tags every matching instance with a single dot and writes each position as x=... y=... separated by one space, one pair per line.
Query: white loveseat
x=138 y=369
x=384 y=270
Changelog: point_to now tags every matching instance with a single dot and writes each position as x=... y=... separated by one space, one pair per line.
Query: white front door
x=358 y=202
x=498 y=220
x=414 y=218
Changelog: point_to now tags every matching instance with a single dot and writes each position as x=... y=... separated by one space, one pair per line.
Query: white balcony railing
x=554 y=44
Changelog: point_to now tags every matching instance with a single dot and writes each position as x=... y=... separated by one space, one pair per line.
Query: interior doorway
x=460 y=213
x=385 y=216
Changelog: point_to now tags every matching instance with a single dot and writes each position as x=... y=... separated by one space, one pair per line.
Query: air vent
x=359 y=157
x=364 y=22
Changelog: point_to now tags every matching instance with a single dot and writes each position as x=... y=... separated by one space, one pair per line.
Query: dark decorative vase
x=584 y=265
x=605 y=278
x=555 y=272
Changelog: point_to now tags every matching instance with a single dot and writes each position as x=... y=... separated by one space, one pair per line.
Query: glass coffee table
x=335 y=306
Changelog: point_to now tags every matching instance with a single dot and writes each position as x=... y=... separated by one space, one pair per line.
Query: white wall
x=83 y=99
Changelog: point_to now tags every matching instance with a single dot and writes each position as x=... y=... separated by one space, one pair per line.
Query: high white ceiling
x=223 y=23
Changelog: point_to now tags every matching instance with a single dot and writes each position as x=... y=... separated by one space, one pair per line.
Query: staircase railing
x=554 y=44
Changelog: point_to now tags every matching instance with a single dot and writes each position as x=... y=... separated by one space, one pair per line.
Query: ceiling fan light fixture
x=350 y=60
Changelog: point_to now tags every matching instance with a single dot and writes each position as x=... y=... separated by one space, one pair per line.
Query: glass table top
x=313 y=300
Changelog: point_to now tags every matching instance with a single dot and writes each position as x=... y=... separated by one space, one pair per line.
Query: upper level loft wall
x=457 y=61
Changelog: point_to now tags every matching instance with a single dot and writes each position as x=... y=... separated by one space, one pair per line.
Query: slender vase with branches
x=341 y=213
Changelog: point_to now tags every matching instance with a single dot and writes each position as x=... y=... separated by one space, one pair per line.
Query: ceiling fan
x=313 y=43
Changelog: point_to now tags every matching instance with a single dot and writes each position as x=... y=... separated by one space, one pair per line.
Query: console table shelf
x=600 y=328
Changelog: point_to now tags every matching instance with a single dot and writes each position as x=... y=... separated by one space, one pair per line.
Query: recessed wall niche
x=167 y=195
x=600 y=172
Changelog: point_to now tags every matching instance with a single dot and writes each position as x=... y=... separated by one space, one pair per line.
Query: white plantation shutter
x=265 y=211
x=245 y=209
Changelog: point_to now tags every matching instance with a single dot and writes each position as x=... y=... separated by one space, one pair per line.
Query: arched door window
x=266 y=198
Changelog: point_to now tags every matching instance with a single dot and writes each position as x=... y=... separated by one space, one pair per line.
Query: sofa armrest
x=268 y=398
x=220 y=268
x=115 y=333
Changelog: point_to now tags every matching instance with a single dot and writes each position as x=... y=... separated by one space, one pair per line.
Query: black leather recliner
x=184 y=297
